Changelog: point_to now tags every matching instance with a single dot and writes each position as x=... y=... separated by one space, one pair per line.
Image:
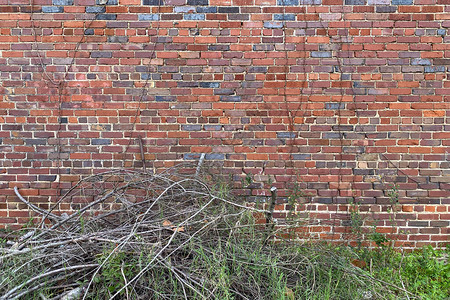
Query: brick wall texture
x=338 y=100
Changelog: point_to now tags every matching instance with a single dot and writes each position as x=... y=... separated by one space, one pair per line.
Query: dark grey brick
x=52 y=9
x=230 y=98
x=36 y=141
x=47 y=177
x=421 y=62
x=360 y=84
x=334 y=105
x=148 y=17
x=209 y=84
x=434 y=69
x=333 y=135
x=100 y=141
x=223 y=91
x=363 y=172
x=343 y=127
x=229 y=10
x=194 y=16
x=287 y=2
x=95 y=9
x=441 y=61
x=263 y=47
x=284 y=17
x=324 y=200
x=273 y=25
x=439 y=223
x=286 y=135
x=62 y=2
x=310 y=2
x=252 y=84
x=219 y=47
x=146 y=76
x=165 y=98
x=168 y=69
x=386 y=9
x=184 y=9
x=109 y=2
x=418 y=223
x=321 y=54
x=198 y=2
x=215 y=156
x=106 y=17
x=191 y=127
x=152 y=2
x=355 y=2
x=101 y=54
x=239 y=17
x=301 y=156
x=402 y=2
x=257 y=70
x=117 y=39
x=89 y=31
x=207 y=9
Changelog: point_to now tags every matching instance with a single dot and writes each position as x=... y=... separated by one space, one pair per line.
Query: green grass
x=239 y=268
x=424 y=272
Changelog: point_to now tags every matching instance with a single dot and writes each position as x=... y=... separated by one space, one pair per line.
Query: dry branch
x=161 y=222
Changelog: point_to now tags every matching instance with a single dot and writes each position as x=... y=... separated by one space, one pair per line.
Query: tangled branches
x=134 y=235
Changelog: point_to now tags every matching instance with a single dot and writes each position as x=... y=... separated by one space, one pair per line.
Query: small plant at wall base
x=297 y=219
x=356 y=222
x=361 y=231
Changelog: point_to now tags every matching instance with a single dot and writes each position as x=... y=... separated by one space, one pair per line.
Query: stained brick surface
x=343 y=98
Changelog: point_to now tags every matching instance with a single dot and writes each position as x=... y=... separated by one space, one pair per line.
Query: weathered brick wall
x=339 y=99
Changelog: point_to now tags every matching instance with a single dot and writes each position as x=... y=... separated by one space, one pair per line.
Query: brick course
x=342 y=98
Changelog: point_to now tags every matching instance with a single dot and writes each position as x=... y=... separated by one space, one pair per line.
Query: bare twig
x=47 y=274
x=39 y=210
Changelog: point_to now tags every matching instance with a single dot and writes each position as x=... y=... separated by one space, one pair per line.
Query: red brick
x=238 y=82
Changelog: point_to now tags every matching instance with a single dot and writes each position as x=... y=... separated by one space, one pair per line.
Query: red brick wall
x=343 y=99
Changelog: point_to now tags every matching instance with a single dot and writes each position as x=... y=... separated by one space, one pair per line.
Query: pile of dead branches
x=133 y=235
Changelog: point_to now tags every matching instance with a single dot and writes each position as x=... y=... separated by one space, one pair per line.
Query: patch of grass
x=424 y=272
